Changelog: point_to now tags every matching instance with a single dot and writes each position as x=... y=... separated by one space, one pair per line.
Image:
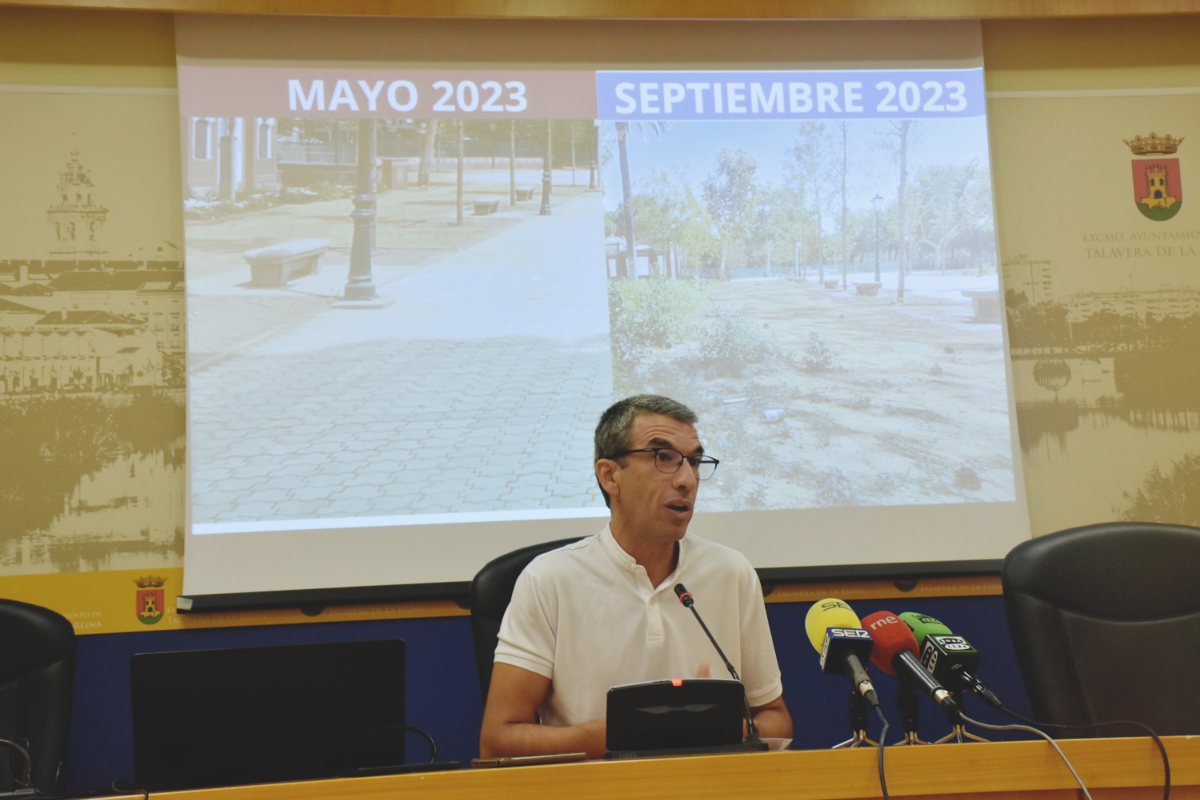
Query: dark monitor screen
x=674 y=714
x=259 y=714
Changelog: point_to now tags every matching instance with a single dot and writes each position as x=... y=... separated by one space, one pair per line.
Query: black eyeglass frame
x=695 y=462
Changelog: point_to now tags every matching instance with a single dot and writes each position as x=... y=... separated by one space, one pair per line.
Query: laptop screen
x=259 y=714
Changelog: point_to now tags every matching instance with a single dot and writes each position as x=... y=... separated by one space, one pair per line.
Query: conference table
x=1128 y=768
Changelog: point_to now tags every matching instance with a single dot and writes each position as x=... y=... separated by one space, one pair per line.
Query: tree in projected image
x=843 y=169
x=804 y=172
x=902 y=134
x=777 y=228
x=730 y=192
x=948 y=201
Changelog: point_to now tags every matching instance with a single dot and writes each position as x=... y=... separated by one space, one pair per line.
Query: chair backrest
x=1105 y=620
x=37 y=676
x=491 y=589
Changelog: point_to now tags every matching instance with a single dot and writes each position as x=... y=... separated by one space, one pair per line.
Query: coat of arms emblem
x=1157 y=185
x=150 y=599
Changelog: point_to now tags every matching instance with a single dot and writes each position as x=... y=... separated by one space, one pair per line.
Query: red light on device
x=677 y=681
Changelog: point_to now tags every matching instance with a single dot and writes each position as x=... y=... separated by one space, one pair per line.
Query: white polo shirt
x=586 y=617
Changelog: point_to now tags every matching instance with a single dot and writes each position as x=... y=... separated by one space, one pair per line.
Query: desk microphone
x=689 y=602
x=949 y=658
x=896 y=652
x=835 y=632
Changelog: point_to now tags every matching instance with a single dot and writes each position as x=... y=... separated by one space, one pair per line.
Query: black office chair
x=37 y=673
x=1105 y=620
x=491 y=589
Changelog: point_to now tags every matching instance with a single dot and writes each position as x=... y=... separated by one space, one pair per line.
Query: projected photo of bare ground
x=815 y=397
x=825 y=295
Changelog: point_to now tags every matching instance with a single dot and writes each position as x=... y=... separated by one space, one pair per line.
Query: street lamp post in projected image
x=595 y=157
x=360 y=285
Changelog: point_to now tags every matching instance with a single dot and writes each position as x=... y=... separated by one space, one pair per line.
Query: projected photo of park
x=825 y=295
x=466 y=377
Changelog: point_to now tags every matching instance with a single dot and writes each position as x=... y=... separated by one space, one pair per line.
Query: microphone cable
x=883 y=732
x=1158 y=742
x=404 y=729
x=433 y=748
x=26 y=779
x=924 y=624
x=994 y=702
x=1036 y=732
x=119 y=786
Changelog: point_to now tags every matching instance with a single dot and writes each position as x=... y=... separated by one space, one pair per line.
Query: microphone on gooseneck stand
x=689 y=602
x=896 y=652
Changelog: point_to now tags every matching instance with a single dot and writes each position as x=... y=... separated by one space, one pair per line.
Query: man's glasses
x=668 y=460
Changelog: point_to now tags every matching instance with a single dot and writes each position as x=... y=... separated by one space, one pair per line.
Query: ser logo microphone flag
x=853 y=635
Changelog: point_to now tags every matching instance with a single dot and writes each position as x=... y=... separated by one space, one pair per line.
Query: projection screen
x=423 y=256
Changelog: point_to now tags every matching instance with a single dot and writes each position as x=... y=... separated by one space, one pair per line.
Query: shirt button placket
x=654 y=623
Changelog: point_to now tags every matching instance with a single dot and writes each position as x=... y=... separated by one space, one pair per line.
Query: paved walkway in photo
x=475 y=385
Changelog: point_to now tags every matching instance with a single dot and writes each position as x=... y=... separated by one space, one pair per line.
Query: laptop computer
x=234 y=716
x=673 y=717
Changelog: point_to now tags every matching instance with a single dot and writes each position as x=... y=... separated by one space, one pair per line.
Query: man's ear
x=606 y=474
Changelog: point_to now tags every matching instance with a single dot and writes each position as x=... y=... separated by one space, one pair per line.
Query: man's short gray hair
x=612 y=432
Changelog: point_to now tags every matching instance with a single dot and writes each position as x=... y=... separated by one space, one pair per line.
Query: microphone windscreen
x=683 y=594
x=922 y=625
x=828 y=613
x=891 y=636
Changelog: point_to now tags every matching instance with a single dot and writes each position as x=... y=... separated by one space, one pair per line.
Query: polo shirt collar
x=625 y=562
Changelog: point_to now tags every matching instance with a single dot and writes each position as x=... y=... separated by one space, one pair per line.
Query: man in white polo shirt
x=602 y=612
